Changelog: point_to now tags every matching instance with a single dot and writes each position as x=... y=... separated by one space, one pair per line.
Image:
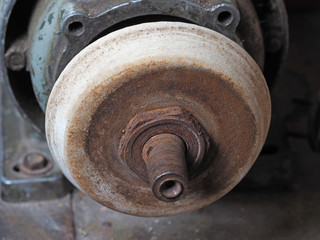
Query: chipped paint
x=46 y=31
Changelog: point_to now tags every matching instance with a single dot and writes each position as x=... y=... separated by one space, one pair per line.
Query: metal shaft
x=164 y=155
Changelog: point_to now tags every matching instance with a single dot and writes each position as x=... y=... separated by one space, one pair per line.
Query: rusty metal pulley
x=158 y=118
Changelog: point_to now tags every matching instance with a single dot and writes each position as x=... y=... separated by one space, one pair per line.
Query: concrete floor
x=293 y=213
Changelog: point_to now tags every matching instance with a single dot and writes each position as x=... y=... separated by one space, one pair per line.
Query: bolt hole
x=16 y=168
x=76 y=28
x=225 y=18
x=171 y=189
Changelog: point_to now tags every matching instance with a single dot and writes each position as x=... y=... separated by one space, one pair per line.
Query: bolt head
x=15 y=60
x=35 y=163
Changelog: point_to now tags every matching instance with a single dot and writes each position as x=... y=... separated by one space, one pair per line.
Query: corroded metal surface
x=174 y=120
x=255 y=214
x=49 y=55
x=35 y=164
x=166 y=161
x=165 y=157
x=152 y=66
x=260 y=213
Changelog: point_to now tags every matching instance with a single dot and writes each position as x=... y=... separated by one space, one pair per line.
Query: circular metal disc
x=150 y=66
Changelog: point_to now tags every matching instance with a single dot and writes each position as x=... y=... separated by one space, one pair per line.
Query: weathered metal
x=155 y=66
x=276 y=214
x=50 y=54
x=165 y=157
x=174 y=120
x=35 y=164
x=51 y=47
x=17 y=84
x=55 y=26
x=15 y=56
x=19 y=140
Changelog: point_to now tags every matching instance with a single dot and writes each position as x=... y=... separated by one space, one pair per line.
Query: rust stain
x=174 y=120
x=234 y=115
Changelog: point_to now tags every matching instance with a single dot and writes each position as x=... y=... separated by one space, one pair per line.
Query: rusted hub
x=120 y=94
x=145 y=148
x=174 y=120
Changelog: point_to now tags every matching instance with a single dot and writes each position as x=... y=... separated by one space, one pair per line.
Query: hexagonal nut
x=175 y=120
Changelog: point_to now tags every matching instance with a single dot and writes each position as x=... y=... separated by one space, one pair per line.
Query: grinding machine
x=150 y=107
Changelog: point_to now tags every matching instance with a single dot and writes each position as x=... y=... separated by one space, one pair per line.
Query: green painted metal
x=44 y=34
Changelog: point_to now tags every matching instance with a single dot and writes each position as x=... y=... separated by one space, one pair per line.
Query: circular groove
x=171 y=189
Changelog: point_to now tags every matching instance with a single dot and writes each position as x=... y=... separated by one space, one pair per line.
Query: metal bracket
x=22 y=147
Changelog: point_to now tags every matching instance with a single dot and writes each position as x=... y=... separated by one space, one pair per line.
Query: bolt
x=15 y=60
x=15 y=57
x=165 y=157
x=35 y=163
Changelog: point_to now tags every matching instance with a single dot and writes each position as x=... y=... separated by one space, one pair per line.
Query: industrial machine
x=151 y=108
